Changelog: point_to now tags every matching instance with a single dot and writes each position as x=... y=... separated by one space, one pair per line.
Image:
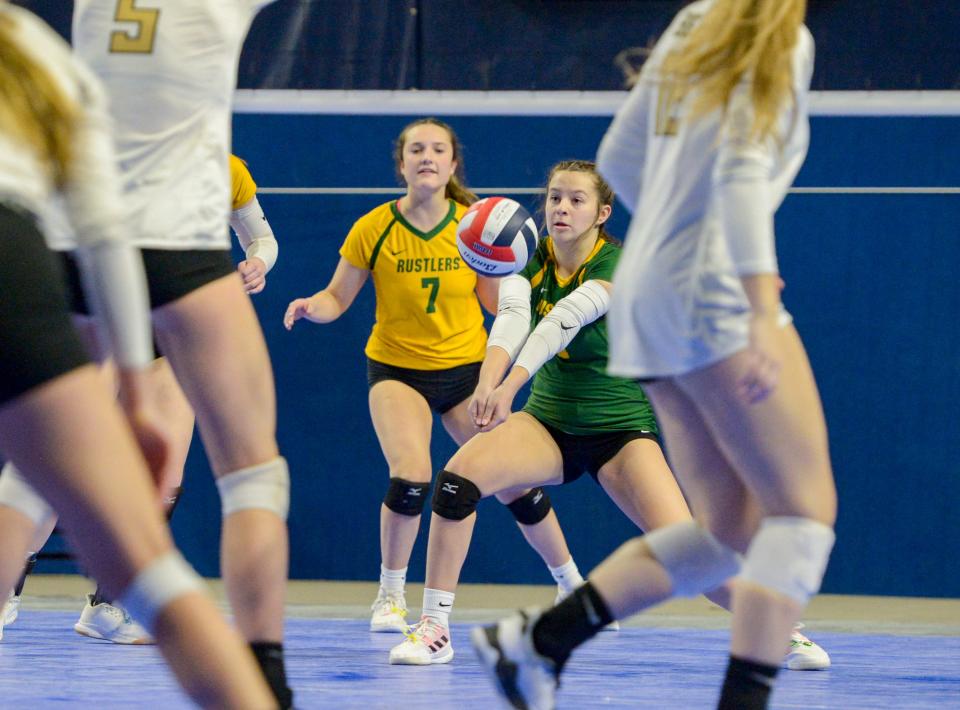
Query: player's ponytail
x=737 y=39
x=33 y=108
x=456 y=187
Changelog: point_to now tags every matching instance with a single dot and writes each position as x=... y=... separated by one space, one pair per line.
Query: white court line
x=538 y=190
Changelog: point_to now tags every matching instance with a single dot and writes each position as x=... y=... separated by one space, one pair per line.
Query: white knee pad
x=16 y=493
x=789 y=555
x=265 y=486
x=695 y=560
x=163 y=581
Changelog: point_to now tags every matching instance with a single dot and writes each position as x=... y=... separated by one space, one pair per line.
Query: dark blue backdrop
x=555 y=44
x=870 y=279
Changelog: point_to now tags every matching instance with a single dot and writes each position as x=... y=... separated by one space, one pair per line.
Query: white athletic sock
x=437 y=605
x=567 y=576
x=392 y=580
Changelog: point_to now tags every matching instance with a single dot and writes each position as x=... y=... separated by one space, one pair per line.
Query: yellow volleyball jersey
x=242 y=187
x=428 y=316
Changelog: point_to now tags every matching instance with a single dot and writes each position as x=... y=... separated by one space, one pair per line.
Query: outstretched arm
x=583 y=306
x=507 y=336
x=488 y=289
x=330 y=303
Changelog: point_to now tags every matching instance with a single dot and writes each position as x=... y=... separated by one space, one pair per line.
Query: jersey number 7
x=139 y=40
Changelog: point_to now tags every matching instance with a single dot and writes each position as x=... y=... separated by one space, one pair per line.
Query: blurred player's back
x=170 y=69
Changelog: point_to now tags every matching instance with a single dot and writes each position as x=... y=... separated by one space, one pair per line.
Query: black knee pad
x=406 y=497
x=531 y=508
x=454 y=497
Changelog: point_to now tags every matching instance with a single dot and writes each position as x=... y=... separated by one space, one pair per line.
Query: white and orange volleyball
x=497 y=236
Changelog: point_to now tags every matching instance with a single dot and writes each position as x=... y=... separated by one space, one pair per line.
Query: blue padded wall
x=871 y=280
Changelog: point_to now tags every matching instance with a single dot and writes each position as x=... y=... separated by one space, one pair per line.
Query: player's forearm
x=324 y=307
x=763 y=292
x=494 y=367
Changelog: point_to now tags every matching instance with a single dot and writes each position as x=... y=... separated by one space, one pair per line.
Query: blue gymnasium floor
x=337 y=663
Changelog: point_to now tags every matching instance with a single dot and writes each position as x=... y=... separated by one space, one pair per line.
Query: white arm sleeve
x=747 y=223
x=512 y=324
x=742 y=186
x=587 y=303
x=113 y=271
x=623 y=148
x=254 y=232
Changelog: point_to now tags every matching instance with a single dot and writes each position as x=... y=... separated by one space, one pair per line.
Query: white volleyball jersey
x=89 y=201
x=678 y=302
x=170 y=68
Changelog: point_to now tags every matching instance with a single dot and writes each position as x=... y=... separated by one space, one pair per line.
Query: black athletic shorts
x=37 y=340
x=587 y=453
x=171 y=274
x=443 y=389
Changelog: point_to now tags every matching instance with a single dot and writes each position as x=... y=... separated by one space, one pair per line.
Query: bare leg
x=779 y=449
x=535 y=460
x=403 y=422
x=17 y=531
x=447 y=550
x=70 y=440
x=545 y=537
x=214 y=343
x=642 y=485
x=631 y=579
x=177 y=415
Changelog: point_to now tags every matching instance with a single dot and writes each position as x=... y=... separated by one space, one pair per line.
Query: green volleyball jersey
x=572 y=392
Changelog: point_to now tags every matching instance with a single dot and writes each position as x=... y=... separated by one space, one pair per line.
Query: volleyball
x=496 y=236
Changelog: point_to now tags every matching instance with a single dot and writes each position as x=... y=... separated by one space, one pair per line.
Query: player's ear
x=604 y=213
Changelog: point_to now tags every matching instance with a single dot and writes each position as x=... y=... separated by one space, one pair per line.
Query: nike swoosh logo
x=443 y=605
x=592 y=616
x=761 y=679
x=399 y=251
x=567 y=327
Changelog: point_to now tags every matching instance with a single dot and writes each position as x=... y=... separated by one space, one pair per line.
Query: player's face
x=572 y=206
x=427 y=161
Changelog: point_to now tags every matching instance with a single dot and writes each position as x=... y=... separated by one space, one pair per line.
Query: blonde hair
x=456 y=188
x=33 y=107
x=737 y=38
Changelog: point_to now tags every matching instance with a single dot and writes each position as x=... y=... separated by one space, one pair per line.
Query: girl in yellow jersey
x=425 y=350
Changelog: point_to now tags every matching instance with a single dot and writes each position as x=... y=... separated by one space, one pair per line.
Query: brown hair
x=737 y=38
x=605 y=194
x=33 y=108
x=456 y=187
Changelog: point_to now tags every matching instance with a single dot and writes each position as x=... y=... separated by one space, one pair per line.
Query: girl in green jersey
x=578 y=419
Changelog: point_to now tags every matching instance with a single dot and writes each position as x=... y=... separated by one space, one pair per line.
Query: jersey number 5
x=433 y=283
x=140 y=40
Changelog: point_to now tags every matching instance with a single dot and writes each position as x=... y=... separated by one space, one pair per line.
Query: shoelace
x=395 y=608
x=417 y=633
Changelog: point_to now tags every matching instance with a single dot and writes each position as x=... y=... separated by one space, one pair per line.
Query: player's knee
x=454 y=497
x=16 y=493
x=789 y=555
x=159 y=584
x=406 y=497
x=693 y=558
x=531 y=508
x=265 y=486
